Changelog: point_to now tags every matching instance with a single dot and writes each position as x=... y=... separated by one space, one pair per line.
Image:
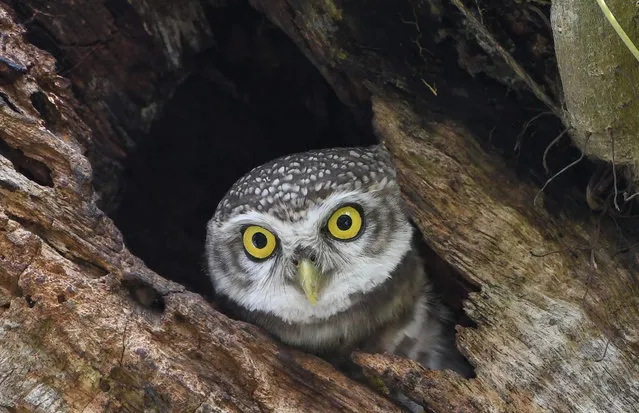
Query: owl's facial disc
x=312 y=265
x=346 y=223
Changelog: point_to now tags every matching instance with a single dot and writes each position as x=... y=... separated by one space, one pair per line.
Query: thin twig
x=594 y=240
x=526 y=126
x=614 y=167
x=485 y=37
x=550 y=145
x=556 y=175
x=615 y=25
x=481 y=17
x=627 y=198
x=542 y=16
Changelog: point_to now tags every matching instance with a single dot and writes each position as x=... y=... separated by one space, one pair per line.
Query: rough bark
x=84 y=325
x=557 y=312
x=558 y=308
x=123 y=60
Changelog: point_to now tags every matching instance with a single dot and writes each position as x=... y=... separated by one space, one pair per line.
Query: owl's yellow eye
x=259 y=242
x=345 y=223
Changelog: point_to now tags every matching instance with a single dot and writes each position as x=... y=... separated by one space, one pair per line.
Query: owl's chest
x=373 y=321
x=339 y=333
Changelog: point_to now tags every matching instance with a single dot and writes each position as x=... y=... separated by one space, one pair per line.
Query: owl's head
x=305 y=236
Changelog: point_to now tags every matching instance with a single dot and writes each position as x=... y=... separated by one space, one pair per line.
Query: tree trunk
x=603 y=100
x=86 y=326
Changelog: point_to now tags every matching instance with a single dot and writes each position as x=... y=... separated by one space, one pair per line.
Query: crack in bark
x=124 y=336
x=33 y=169
x=90 y=401
x=42 y=233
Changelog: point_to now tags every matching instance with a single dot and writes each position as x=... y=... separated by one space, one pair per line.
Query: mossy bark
x=600 y=77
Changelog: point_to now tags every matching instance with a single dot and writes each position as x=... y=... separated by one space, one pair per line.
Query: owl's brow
x=318 y=215
x=252 y=218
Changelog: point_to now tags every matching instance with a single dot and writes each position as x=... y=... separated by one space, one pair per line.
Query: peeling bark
x=123 y=61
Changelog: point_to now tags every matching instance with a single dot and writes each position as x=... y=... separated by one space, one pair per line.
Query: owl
x=317 y=249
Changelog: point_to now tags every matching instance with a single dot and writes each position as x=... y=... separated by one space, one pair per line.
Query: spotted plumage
x=290 y=186
x=317 y=249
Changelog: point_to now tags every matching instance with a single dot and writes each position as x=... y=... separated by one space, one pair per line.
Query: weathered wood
x=434 y=389
x=123 y=61
x=558 y=307
x=557 y=311
x=84 y=325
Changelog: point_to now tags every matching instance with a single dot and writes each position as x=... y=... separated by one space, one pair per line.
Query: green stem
x=615 y=24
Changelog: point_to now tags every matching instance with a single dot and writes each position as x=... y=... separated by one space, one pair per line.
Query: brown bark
x=122 y=60
x=557 y=310
x=558 y=307
x=85 y=326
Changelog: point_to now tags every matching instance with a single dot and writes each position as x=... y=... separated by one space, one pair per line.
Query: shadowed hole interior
x=30 y=302
x=32 y=169
x=143 y=293
x=4 y=99
x=46 y=109
x=252 y=98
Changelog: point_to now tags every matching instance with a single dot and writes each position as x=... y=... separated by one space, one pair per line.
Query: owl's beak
x=309 y=279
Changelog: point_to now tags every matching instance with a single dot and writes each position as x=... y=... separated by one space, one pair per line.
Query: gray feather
x=377 y=295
